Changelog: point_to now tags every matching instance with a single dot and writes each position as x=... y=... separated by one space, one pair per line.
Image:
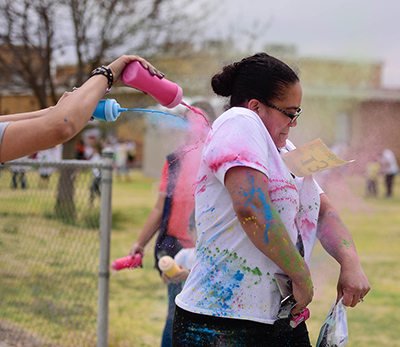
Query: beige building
x=343 y=103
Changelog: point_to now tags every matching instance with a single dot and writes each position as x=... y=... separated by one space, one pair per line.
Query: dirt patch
x=13 y=336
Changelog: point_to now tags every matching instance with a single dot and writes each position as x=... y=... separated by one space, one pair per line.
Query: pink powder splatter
x=287 y=186
x=202 y=189
x=198 y=111
x=218 y=162
x=258 y=163
x=307 y=227
x=201 y=180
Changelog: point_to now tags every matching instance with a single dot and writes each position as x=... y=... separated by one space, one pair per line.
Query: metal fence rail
x=53 y=259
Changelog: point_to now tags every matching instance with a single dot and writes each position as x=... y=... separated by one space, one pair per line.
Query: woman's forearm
x=336 y=239
x=58 y=125
x=262 y=223
x=47 y=128
x=27 y=115
x=260 y=220
x=151 y=225
x=333 y=234
x=268 y=233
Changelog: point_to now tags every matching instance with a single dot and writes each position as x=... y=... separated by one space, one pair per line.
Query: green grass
x=138 y=300
x=374 y=224
x=48 y=268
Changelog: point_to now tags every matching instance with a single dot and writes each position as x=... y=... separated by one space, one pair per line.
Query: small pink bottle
x=167 y=93
x=127 y=262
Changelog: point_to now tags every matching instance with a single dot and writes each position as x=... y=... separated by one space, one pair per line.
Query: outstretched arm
x=150 y=227
x=40 y=130
x=336 y=239
x=26 y=115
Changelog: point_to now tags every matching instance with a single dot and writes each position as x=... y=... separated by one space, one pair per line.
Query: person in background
x=171 y=213
x=91 y=137
x=121 y=160
x=184 y=258
x=95 y=186
x=26 y=133
x=390 y=169
x=255 y=219
x=18 y=175
x=79 y=150
x=51 y=154
x=131 y=154
x=372 y=172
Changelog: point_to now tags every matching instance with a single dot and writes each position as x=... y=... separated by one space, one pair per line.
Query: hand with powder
x=179 y=277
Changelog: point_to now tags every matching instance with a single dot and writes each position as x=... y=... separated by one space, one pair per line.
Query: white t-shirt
x=230 y=277
x=185 y=257
x=389 y=161
x=3 y=126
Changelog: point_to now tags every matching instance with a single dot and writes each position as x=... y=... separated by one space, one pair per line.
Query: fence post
x=104 y=256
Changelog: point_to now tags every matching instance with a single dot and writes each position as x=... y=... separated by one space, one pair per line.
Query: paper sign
x=311 y=158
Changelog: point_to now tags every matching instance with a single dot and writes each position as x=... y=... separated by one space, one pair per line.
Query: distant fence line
x=55 y=251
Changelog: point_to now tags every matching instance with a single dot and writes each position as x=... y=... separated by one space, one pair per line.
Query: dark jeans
x=389 y=185
x=372 y=189
x=173 y=291
x=22 y=179
x=95 y=188
x=193 y=330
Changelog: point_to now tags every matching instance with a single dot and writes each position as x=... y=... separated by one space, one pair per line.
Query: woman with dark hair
x=255 y=220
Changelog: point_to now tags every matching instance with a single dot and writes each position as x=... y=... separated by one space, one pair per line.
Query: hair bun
x=222 y=83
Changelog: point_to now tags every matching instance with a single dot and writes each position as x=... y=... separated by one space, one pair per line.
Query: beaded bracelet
x=105 y=71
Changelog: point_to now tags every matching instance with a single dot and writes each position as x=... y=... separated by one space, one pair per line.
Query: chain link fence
x=53 y=277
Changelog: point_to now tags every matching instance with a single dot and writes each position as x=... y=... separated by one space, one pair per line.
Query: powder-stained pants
x=193 y=330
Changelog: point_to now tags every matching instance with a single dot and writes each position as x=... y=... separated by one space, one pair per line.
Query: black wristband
x=105 y=71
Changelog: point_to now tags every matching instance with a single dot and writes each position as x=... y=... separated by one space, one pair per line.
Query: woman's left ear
x=254 y=105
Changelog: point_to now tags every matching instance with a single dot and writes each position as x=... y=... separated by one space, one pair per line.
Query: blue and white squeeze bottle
x=108 y=110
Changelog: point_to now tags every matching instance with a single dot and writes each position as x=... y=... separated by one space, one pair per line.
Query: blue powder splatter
x=267 y=211
x=238 y=276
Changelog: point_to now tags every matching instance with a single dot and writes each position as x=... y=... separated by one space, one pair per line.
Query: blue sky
x=346 y=29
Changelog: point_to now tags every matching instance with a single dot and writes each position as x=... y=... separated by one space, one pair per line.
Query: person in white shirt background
x=390 y=169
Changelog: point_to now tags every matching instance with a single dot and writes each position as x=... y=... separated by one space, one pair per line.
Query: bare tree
x=90 y=32
x=27 y=41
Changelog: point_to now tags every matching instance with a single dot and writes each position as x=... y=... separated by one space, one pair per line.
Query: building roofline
x=345 y=92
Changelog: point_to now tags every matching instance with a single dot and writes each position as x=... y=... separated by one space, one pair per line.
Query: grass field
x=48 y=268
x=138 y=300
x=138 y=297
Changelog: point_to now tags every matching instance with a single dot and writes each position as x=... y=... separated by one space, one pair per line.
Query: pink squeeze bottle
x=167 y=93
x=127 y=262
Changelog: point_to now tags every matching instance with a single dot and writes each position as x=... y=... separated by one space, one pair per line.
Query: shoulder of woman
x=237 y=116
